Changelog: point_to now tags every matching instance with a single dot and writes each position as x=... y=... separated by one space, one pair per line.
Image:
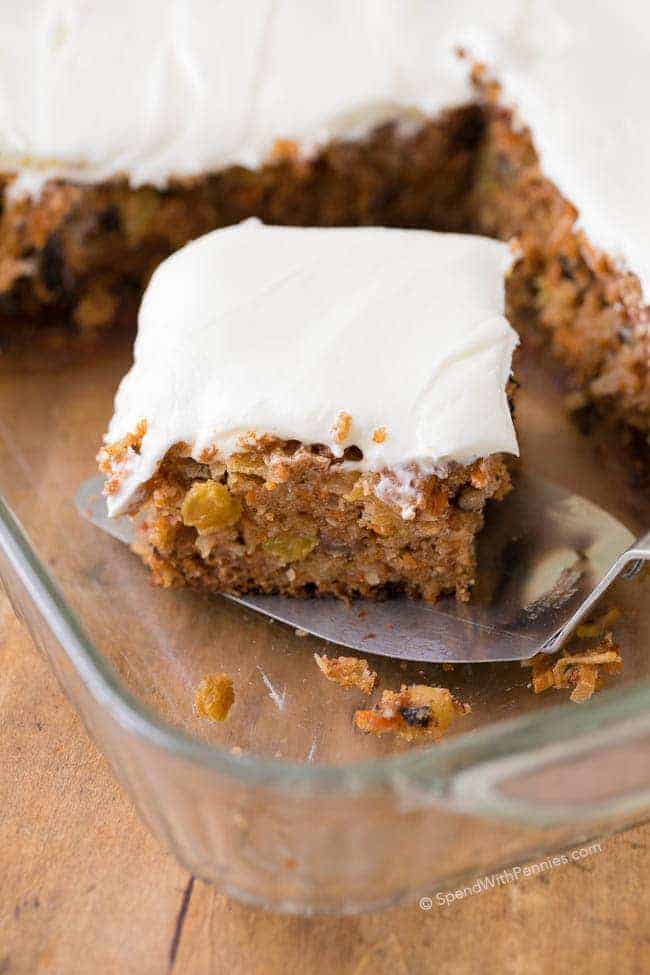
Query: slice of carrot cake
x=317 y=411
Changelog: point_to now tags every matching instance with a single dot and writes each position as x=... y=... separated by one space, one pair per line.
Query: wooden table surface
x=85 y=888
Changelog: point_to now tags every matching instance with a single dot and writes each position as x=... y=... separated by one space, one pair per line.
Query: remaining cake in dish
x=316 y=411
x=334 y=114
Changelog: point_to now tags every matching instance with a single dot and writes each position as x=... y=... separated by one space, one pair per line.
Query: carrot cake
x=317 y=411
x=334 y=114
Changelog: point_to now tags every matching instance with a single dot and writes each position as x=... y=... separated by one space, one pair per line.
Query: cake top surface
x=164 y=88
x=392 y=341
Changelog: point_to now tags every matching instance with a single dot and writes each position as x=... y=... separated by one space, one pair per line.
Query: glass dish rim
x=532 y=732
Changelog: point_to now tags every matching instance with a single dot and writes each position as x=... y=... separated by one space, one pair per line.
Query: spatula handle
x=641 y=549
x=628 y=564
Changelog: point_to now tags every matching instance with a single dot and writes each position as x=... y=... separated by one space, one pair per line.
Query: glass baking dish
x=286 y=804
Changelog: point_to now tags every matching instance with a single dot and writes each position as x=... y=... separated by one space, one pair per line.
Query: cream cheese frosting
x=158 y=89
x=256 y=329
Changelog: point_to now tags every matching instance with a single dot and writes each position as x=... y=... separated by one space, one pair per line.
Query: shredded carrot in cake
x=416 y=711
x=285 y=150
x=347 y=671
x=114 y=459
x=380 y=434
x=342 y=427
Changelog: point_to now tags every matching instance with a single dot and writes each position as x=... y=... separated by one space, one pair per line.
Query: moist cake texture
x=398 y=134
x=317 y=411
x=283 y=517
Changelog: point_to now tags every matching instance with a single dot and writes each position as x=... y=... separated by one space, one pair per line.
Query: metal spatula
x=545 y=557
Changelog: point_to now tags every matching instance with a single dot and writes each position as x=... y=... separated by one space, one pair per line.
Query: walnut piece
x=347 y=671
x=214 y=697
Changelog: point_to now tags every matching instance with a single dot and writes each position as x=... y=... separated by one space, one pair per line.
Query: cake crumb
x=348 y=671
x=581 y=672
x=380 y=434
x=596 y=628
x=214 y=697
x=416 y=711
x=342 y=427
x=301 y=633
x=115 y=459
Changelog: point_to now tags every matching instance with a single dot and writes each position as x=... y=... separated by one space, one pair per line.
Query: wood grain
x=84 y=888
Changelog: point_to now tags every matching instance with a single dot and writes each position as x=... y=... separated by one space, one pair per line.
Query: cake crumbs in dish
x=583 y=673
x=214 y=697
x=347 y=671
x=598 y=627
x=415 y=712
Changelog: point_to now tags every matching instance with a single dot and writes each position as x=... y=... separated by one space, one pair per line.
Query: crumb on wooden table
x=347 y=671
x=214 y=697
x=416 y=711
x=582 y=672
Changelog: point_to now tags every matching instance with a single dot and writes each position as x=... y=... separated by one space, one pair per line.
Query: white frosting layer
x=278 y=330
x=159 y=88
